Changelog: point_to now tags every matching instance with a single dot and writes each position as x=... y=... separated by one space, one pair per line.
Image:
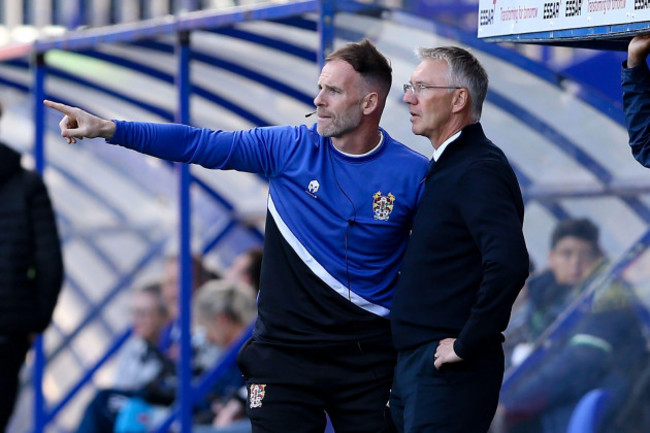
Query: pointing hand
x=77 y=123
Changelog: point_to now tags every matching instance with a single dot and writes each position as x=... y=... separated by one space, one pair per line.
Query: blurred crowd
x=573 y=332
x=145 y=383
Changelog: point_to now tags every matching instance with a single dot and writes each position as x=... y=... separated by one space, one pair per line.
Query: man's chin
x=417 y=131
x=323 y=132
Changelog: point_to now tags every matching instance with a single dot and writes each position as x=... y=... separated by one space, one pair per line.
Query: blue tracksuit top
x=337 y=225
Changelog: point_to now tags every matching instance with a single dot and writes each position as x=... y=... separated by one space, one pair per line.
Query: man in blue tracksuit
x=341 y=199
x=635 y=78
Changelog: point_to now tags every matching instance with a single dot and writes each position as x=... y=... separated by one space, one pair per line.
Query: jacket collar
x=471 y=135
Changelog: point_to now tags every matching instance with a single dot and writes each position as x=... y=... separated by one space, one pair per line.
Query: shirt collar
x=437 y=152
x=374 y=149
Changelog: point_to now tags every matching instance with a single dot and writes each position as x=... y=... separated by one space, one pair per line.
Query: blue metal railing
x=284 y=13
x=39 y=157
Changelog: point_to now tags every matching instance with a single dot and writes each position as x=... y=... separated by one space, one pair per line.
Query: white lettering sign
x=508 y=17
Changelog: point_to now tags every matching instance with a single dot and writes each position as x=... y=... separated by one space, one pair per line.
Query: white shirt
x=437 y=152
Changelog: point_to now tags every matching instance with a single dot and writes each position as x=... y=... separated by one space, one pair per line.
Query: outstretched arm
x=258 y=150
x=77 y=123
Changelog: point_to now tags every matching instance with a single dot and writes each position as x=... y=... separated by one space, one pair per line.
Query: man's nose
x=409 y=98
x=318 y=100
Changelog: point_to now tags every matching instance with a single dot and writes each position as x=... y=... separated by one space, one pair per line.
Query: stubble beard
x=340 y=126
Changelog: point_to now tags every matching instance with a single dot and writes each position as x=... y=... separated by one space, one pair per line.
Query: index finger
x=65 y=109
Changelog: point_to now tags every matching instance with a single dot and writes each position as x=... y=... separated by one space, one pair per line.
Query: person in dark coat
x=466 y=260
x=31 y=269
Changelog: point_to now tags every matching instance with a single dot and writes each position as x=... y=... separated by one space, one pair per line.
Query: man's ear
x=369 y=103
x=460 y=100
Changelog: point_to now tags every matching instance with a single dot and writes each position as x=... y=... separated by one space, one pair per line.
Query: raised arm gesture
x=638 y=49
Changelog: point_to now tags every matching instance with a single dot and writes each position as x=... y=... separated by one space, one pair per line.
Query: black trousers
x=13 y=349
x=461 y=397
x=291 y=388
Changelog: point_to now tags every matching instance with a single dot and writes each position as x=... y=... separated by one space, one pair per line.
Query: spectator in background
x=161 y=357
x=139 y=360
x=140 y=363
x=204 y=353
x=31 y=269
x=574 y=254
x=246 y=269
x=225 y=309
x=605 y=349
x=169 y=284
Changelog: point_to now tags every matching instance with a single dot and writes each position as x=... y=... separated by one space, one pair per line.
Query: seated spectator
x=225 y=309
x=246 y=269
x=204 y=353
x=605 y=349
x=140 y=361
x=575 y=253
x=171 y=274
x=586 y=353
x=155 y=385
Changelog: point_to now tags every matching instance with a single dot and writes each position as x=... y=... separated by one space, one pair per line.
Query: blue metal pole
x=39 y=111
x=326 y=30
x=80 y=18
x=185 y=254
x=189 y=5
x=39 y=157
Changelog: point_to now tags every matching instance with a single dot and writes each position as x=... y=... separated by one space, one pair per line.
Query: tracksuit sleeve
x=258 y=150
x=490 y=205
x=636 y=107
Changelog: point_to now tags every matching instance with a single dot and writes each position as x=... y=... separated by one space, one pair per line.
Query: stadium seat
x=589 y=411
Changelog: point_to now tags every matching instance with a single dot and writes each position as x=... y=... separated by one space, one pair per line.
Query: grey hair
x=464 y=71
x=219 y=297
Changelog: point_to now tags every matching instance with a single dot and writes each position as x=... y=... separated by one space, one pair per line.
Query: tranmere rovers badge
x=256 y=395
x=382 y=205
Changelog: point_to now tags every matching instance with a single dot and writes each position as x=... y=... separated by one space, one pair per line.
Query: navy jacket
x=31 y=264
x=636 y=106
x=467 y=259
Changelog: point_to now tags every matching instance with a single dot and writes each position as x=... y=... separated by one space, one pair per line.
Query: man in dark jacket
x=466 y=260
x=31 y=269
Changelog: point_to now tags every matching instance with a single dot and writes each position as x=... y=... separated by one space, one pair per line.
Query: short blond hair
x=220 y=297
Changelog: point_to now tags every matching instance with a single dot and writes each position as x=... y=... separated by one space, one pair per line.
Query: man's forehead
x=337 y=72
x=571 y=242
x=428 y=69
